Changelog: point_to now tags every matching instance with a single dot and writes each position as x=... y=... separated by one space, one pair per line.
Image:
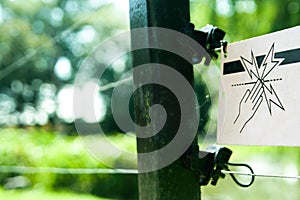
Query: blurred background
x=42 y=46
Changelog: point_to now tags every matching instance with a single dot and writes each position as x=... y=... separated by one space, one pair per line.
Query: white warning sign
x=259 y=100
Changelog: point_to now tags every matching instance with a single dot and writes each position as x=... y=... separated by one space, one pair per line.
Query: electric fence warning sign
x=259 y=100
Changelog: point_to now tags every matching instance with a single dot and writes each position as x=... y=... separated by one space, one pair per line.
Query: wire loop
x=236 y=180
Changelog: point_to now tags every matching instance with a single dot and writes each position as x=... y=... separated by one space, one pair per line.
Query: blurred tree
x=243 y=19
x=42 y=44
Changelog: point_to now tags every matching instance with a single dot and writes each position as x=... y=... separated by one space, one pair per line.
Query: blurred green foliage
x=243 y=19
x=39 y=148
x=42 y=45
x=45 y=195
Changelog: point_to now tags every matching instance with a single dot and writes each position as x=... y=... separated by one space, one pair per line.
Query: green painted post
x=174 y=181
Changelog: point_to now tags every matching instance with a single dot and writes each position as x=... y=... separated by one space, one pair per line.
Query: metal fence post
x=174 y=181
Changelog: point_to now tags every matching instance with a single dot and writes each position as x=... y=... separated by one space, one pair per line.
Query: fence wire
x=55 y=170
x=261 y=175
